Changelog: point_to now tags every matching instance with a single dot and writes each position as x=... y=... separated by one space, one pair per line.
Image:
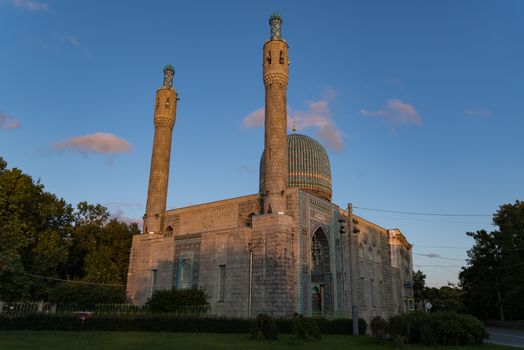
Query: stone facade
x=284 y=250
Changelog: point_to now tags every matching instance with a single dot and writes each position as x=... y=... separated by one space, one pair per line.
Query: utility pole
x=353 y=230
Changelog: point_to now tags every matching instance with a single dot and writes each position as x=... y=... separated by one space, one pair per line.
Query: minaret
x=165 y=115
x=275 y=138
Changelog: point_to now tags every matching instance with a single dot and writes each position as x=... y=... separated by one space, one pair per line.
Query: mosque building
x=287 y=248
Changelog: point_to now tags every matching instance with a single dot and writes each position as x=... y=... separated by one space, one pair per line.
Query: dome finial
x=275 y=24
x=294 y=126
x=169 y=73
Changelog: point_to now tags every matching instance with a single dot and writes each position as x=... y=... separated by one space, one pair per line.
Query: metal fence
x=23 y=308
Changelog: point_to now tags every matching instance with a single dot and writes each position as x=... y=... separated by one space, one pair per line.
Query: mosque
x=287 y=248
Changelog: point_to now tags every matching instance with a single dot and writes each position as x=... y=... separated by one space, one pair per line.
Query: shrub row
x=159 y=323
x=441 y=328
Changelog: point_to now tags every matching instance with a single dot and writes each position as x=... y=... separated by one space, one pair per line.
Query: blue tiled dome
x=309 y=167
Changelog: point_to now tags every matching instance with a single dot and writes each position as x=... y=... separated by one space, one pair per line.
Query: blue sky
x=419 y=104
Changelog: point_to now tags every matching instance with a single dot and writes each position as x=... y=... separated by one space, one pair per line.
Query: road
x=505 y=336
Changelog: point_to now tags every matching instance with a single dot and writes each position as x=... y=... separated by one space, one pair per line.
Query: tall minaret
x=275 y=139
x=165 y=115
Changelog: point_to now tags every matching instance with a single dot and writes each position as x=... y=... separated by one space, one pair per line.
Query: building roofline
x=219 y=202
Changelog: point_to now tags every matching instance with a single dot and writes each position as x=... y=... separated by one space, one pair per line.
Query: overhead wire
x=423 y=214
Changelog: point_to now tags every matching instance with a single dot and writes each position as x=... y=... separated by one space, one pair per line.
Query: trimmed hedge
x=192 y=300
x=264 y=327
x=306 y=329
x=399 y=329
x=163 y=323
x=449 y=328
x=379 y=327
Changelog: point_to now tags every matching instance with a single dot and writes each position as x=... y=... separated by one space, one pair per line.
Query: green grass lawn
x=34 y=340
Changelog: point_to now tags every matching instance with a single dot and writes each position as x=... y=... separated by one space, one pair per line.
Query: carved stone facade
x=281 y=251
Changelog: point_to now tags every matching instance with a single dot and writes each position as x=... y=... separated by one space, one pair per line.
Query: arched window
x=379 y=256
x=185 y=274
x=169 y=231
x=319 y=256
x=370 y=254
x=249 y=220
x=361 y=251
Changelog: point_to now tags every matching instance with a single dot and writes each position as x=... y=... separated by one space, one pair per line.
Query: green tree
x=41 y=235
x=33 y=229
x=419 y=286
x=492 y=282
x=445 y=298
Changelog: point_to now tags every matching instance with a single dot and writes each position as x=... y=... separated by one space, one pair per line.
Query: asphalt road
x=505 y=336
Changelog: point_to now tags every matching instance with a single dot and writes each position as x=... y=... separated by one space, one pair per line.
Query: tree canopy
x=493 y=281
x=43 y=235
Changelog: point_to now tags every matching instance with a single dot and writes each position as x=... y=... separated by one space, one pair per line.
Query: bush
x=399 y=329
x=86 y=296
x=475 y=328
x=191 y=301
x=362 y=326
x=379 y=327
x=306 y=328
x=264 y=328
x=165 y=323
x=449 y=328
x=417 y=320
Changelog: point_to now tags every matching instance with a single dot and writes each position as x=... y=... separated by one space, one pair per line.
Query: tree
x=42 y=236
x=492 y=282
x=33 y=228
x=445 y=298
x=419 y=286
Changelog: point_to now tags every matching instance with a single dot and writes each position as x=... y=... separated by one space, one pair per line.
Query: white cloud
x=396 y=113
x=30 y=5
x=72 y=40
x=317 y=116
x=8 y=123
x=99 y=142
x=254 y=119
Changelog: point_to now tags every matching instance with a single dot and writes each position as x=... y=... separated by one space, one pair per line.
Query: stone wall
x=211 y=246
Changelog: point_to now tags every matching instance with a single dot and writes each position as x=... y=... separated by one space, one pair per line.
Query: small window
x=221 y=282
x=411 y=304
x=361 y=251
x=362 y=291
x=370 y=254
x=154 y=277
x=249 y=220
x=379 y=257
x=372 y=292
x=382 y=294
x=185 y=274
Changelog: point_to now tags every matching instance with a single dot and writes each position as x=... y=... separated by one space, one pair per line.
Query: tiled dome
x=309 y=167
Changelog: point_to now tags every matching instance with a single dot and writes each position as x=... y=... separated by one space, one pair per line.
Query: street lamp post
x=352 y=231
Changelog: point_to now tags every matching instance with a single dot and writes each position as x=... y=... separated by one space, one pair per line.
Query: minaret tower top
x=169 y=73
x=275 y=25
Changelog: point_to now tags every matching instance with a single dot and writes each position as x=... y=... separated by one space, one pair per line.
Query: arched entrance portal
x=320 y=274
